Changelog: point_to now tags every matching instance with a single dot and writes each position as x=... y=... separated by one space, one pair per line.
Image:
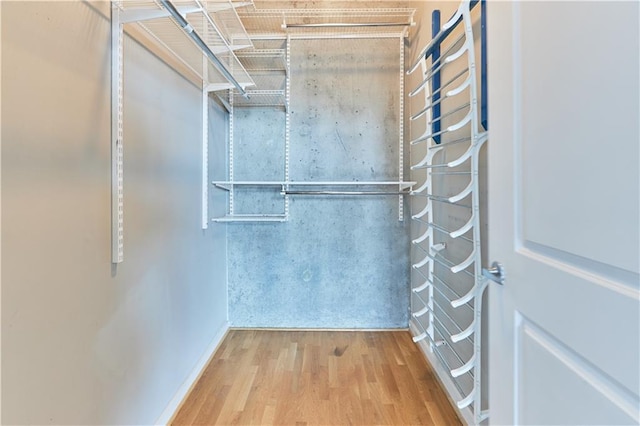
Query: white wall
x=84 y=342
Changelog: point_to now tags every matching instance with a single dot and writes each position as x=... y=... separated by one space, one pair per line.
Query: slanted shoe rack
x=447 y=282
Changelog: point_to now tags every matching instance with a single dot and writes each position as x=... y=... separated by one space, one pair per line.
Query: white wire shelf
x=268 y=68
x=232 y=28
x=261 y=98
x=217 y=28
x=218 y=5
x=269 y=80
x=251 y=218
x=263 y=59
x=327 y=22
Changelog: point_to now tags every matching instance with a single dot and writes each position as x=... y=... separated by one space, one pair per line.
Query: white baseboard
x=465 y=415
x=181 y=395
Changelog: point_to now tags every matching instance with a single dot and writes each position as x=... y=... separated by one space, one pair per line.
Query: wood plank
x=317 y=377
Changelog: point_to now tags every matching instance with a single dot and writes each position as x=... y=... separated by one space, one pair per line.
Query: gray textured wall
x=82 y=343
x=338 y=262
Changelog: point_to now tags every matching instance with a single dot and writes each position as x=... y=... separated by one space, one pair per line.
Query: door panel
x=596 y=317
x=564 y=211
x=579 y=392
x=579 y=103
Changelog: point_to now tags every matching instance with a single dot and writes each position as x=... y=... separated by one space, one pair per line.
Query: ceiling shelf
x=219 y=28
x=327 y=22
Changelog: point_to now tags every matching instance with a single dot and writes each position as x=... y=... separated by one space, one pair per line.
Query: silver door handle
x=496 y=273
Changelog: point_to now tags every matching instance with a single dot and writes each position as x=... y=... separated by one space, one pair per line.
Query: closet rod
x=438 y=39
x=287 y=192
x=346 y=25
x=315 y=183
x=202 y=45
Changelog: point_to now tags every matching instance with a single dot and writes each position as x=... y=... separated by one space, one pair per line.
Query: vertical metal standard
x=205 y=134
x=117 y=183
x=231 y=187
x=287 y=125
x=435 y=82
x=205 y=156
x=401 y=133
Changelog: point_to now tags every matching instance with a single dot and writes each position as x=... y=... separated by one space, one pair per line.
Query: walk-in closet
x=320 y=212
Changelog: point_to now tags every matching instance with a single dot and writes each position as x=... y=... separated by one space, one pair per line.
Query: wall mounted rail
x=447 y=282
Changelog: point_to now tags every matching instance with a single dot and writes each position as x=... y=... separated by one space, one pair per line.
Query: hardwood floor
x=317 y=378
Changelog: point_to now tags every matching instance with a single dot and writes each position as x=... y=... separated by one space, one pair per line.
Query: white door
x=564 y=212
